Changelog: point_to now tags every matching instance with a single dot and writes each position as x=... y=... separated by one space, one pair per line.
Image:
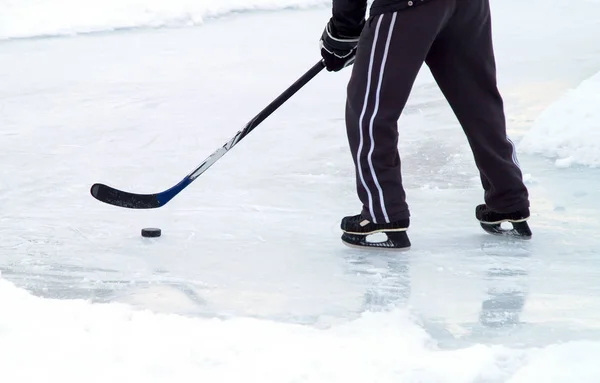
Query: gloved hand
x=337 y=51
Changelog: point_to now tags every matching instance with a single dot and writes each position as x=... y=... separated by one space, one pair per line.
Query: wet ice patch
x=569 y=130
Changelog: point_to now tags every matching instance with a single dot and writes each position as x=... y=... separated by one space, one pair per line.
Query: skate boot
x=356 y=229
x=491 y=222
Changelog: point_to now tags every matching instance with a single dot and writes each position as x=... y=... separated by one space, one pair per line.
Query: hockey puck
x=151 y=232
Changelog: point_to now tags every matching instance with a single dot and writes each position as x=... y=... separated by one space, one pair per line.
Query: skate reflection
x=434 y=288
x=505 y=304
x=507 y=284
x=385 y=276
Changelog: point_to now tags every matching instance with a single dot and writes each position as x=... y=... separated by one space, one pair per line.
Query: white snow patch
x=32 y=18
x=76 y=341
x=570 y=362
x=569 y=130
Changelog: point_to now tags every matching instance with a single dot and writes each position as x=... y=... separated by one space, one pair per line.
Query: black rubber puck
x=151 y=232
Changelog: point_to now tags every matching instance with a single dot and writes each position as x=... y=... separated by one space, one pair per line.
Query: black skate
x=491 y=222
x=356 y=229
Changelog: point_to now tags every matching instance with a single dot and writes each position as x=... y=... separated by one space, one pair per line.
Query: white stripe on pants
x=372 y=119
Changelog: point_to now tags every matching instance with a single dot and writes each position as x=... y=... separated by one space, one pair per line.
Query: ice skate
x=357 y=228
x=491 y=222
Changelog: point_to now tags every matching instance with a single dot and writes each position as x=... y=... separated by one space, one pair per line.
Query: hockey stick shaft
x=125 y=199
x=260 y=117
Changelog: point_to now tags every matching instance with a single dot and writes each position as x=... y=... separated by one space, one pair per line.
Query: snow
x=249 y=281
x=32 y=18
x=74 y=341
x=569 y=129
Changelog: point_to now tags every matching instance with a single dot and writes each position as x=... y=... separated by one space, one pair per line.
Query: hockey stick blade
x=129 y=200
x=121 y=198
x=112 y=196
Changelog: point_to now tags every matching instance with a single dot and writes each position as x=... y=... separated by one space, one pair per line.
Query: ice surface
x=569 y=130
x=250 y=280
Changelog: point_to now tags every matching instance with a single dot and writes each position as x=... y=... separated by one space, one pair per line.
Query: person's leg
x=391 y=51
x=463 y=64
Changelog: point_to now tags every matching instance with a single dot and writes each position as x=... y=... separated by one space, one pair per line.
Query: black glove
x=338 y=51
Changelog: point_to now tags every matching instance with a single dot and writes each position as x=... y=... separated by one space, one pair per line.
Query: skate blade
x=397 y=241
x=506 y=220
x=520 y=229
x=377 y=231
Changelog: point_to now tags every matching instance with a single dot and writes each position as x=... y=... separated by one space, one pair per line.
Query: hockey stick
x=129 y=200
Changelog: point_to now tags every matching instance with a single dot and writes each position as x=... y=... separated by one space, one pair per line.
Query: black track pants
x=454 y=38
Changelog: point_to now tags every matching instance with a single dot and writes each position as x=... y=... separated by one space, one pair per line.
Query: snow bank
x=569 y=130
x=31 y=18
x=75 y=341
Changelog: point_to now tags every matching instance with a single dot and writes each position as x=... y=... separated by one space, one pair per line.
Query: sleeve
x=349 y=16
